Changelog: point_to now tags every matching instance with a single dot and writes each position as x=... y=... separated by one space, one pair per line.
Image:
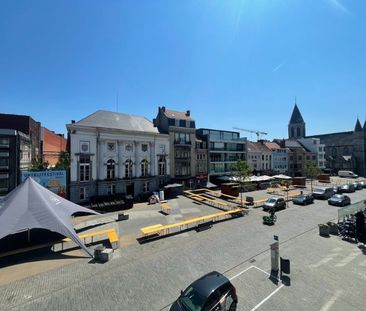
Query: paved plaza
x=326 y=273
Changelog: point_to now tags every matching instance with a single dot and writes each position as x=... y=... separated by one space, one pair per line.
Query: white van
x=348 y=174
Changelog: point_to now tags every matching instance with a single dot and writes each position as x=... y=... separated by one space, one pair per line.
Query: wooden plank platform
x=183 y=225
x=110 y=233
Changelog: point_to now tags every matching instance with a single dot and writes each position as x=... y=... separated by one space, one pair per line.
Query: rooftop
x=296 y=116
x=116 y=120
x=180 y=115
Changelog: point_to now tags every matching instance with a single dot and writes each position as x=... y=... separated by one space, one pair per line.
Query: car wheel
x=233 y=306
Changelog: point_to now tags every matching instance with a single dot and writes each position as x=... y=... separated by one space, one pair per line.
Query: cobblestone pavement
x=326 y=273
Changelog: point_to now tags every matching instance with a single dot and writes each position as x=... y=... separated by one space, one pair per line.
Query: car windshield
x=319 y=190
x=192 y=300
x=300 y=197
x=271 y=200
x=337 y=196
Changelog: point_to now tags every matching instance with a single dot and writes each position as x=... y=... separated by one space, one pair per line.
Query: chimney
x=188 y=113
x=72 y=121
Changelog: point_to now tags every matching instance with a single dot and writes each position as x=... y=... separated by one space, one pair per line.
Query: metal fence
x=350 y=210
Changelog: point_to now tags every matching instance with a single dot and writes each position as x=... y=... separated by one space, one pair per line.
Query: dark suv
x=212 y=292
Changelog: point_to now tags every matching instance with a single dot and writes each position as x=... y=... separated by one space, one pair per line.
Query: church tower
x=296 y=127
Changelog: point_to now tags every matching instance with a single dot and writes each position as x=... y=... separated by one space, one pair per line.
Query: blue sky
x=232 y=63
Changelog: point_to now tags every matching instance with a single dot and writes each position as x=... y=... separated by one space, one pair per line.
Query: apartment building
x=181 y=130
x=224 y=149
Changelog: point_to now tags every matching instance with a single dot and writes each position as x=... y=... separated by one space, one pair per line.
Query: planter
x=323 y=230
x=267 y=220
x=333 y=228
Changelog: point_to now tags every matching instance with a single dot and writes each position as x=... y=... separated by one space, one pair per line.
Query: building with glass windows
x=15 y=156
x=224 y=149
x=115 y=153
x=181 y=129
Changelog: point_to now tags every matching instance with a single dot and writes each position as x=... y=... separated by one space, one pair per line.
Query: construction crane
x=258 y=133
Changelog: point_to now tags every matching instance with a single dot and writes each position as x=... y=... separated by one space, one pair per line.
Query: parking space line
x=240 y=273
x=347 y=260
x=262 y=270
x=269 y=296
x=330 y=303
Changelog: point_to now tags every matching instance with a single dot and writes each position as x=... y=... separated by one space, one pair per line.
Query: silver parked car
x=274 y=202
x=339 y=200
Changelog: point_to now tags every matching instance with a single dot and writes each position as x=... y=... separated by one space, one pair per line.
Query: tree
x=63 y=161
x=312 y=171
x=241 y=171
x=38 y=165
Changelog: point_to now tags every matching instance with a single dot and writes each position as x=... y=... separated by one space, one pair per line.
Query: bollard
x=285 y=266
x=274 y=256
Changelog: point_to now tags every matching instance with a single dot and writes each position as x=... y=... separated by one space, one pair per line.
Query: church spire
x=358 y=127
x=296 y=127
x=296 y=116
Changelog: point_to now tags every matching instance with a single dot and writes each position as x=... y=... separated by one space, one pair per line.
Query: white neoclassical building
x=116 y=153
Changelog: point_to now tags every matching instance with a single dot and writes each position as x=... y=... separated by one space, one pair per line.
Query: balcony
x=182 y=142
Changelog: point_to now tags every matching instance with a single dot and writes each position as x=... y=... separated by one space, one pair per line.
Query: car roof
x=208 y=283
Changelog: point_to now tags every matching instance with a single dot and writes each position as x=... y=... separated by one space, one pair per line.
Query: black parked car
x=339 y=200
x=336 y=189
x=363 y=183
x=348 y=188
x=212 y=292
x=303 y=199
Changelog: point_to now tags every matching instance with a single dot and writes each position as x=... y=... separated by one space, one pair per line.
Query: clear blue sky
x=232 y=63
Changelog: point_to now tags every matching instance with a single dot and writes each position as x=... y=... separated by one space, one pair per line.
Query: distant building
x=181 y=129
x=26 y=125
x=346 y=150
x=259 y=157
x=342 y=150
x=298 y=156
x=52 y=145
x=116 y=153
x=201 y=162
x=225 y=148
x=279 y=158
x=15 y=156
x=314 y=145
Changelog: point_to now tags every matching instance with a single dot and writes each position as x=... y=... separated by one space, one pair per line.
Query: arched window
x=292 y=132
x=298 y=132
x=144 y=168
x=128 y=169
x=111 y=164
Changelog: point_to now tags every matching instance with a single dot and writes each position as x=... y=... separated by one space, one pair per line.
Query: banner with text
x=52 y=180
